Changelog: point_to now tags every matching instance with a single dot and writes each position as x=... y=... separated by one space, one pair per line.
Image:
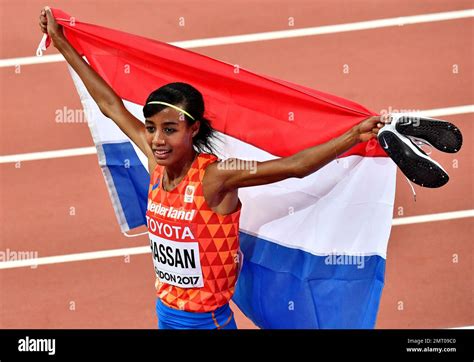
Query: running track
x=397 y=67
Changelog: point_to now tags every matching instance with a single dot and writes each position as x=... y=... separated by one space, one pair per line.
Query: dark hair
x=188 y=98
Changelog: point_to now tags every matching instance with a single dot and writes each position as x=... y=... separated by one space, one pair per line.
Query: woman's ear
x=195 y=128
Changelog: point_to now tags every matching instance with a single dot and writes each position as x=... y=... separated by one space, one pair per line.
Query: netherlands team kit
x=195 y=251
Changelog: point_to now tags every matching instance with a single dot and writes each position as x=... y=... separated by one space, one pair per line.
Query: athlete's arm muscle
x=233 y=174
x=108 y=101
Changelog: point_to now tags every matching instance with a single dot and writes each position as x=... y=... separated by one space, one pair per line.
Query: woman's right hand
x=49 y=25
x=369 y=127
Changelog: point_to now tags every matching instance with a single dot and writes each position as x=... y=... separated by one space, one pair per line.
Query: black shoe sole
x=442 y=135
x=418 y=169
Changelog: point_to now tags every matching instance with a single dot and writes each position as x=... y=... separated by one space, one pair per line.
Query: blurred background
x=60 y=206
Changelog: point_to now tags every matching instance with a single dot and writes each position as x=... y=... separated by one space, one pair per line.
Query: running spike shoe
x=415 y=164
x=440 y=134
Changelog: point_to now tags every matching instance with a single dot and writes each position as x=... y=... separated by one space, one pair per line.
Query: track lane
x=162 y=19
x=436 y=292
x=446 y=45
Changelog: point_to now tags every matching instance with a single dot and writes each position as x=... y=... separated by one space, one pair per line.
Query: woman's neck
x=181 y=168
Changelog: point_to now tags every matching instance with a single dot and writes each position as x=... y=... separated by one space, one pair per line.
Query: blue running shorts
x=170 y=318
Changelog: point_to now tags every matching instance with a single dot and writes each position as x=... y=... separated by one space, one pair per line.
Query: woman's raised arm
x=225 y=178
x=108 y=101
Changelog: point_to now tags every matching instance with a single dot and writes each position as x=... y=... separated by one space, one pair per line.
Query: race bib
x=175 y=252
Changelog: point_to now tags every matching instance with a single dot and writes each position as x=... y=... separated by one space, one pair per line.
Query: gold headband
x=172 y=106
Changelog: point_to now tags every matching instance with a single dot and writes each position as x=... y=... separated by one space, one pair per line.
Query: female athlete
x=193 y=205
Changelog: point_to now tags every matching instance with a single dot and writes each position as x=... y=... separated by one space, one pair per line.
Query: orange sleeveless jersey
x=195 y=250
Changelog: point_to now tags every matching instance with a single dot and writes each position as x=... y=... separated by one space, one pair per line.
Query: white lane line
x=82 y=151
x=450 y=111
x=327 y=29
x=281 y=34
x=146 y=249
x=13 y=62
x=74 y=257
x=433 y=217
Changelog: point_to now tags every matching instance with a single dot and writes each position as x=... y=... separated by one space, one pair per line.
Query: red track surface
x=406 y=67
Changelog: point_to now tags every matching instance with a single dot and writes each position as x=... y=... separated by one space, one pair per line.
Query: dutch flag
x=314 y=248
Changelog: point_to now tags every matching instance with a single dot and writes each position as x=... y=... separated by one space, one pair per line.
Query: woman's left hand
x=369 y=128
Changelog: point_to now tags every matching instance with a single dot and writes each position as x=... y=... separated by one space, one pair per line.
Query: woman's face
x=169 y=136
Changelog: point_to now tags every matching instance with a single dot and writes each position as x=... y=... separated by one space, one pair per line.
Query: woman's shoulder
x=207 y=158
x=207 y=165
x=154 y=170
